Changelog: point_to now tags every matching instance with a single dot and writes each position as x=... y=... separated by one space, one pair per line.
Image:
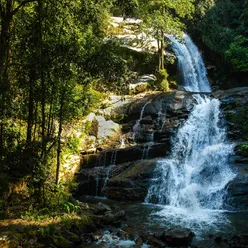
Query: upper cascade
x=190 y=65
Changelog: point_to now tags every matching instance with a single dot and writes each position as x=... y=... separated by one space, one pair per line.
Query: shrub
x=162 y=80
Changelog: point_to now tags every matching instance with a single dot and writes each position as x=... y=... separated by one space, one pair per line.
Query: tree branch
x=21 y=5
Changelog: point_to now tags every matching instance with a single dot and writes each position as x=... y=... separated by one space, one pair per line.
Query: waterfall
x=190 y=65
x=194 y=176
x=148 y=146
x=105 y=183
x=136 y=127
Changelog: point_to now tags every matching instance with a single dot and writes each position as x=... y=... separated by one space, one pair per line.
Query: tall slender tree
x=164 y=17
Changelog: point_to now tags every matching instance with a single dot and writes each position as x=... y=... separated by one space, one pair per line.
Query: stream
x=188 y=187
x=150 y=218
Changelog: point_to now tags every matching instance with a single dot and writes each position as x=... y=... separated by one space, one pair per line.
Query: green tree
x=45 y=80
x=164 y=17
x=8 y=10
x=127 y=8
x=222 y=25
x=237 y=54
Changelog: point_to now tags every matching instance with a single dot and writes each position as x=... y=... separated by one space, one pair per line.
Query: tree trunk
x=35 y=120
x=50 y=117
x=2 y=126
x=42 y=78
x=161 y=46
x=59 y=137
x=160 y=42
x=30 y=108
x=7 y=12
x=4 y=52
x=162 y=51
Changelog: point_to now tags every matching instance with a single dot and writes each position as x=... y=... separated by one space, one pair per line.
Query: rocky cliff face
x=234 y=104
x=148 y=125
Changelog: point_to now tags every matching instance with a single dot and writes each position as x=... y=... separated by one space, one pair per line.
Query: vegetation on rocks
x=61 y=61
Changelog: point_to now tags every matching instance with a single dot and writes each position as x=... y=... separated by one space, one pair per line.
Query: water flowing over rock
x=196 y=173
x=147 y=126
x=173 y=146
x=190 y=65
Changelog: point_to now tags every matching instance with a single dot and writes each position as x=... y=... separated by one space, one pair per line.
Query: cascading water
x=192 y=180
x=136 y=127
x=190 y=65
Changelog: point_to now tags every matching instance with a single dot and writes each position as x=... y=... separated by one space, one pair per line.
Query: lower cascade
x=196 y=173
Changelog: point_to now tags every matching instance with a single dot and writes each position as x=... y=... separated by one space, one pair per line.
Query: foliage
x=50 y=55
x=222 y=25
x=237 y=54
x=125 y=8
x=162 y=80
x=243 y=150
x=91 y=99
x=73 y=144
x=108 y=64
x=94 y=128
x=163 y=16
x=2 y=208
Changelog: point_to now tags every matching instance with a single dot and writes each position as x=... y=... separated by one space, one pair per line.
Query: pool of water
x=152 y=218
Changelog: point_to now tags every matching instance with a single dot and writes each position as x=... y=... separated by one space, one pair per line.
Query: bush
x=73 y=144
x=94 y=128
x=243 y=150
x=162 y=80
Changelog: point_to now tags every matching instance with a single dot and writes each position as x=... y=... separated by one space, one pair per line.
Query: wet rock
x=234 y=103
x=170 y=103
x=73 y=237
x=139 y=242
x=62 y=242
x=102 y=208
x=111 y=218
x=122 y=234
x=177 y=237
x=89 y=151
x=155 y=242
x=83 y=205
x=133 y=182
x=162 y=115
x=158 y=149
x=238 y=192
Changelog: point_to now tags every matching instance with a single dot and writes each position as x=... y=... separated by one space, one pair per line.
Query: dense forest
x=59 y=60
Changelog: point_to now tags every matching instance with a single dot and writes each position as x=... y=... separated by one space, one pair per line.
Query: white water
x=148 y=146
x=108 y=170
x=136 y=127
x=111 y=240
x=190 y=65
x=191 y=182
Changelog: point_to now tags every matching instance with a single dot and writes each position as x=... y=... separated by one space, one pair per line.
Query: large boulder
x=176 y=103
x=128 y=181
x=133 y=182
x=102 y=208
x=141 y=83
x=234 y=103
x=111 y=218
x=106 y=128
x=129 y=154
x=177 y=237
